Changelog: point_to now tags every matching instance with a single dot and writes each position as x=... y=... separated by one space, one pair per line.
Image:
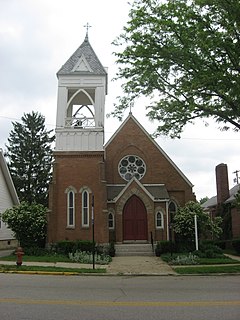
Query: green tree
x=237 y=200
x=184 y=225
x=203 y=200
x=184 y=55
x=28 y=223
x=29 y=153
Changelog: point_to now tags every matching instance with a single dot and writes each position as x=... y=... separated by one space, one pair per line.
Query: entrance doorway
x=134 y=220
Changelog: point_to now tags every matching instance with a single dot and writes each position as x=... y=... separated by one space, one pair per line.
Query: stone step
x=133 y=250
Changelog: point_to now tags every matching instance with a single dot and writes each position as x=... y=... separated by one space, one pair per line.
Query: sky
x=36 y=39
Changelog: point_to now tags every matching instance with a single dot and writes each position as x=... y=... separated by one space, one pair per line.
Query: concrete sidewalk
x=137 y=265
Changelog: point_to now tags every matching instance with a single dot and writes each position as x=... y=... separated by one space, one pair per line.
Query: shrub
x=36 y=251
x=236 y=245
x=86 y=257
x=65 y=246
x=83 y=245
x=185 y=259
x=111 y=249
x=164 y=247
x=221 y=244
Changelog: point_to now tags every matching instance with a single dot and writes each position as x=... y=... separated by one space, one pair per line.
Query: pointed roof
x=83 y=61
x=130 y=116
x=8 y=179
x=157 y=192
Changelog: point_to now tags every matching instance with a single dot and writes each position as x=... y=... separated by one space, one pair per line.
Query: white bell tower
x=82 y=87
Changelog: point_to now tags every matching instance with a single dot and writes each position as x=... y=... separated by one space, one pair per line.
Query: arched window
x=172 y=208
x=70 y=209
x=159 y=220
x=111 y=221
x=85 y=208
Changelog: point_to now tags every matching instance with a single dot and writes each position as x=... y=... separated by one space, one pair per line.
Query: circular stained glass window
x=131 y=166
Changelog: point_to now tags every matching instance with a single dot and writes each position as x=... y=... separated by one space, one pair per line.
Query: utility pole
x=237 y=177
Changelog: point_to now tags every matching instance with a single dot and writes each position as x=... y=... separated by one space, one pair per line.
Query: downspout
x=167 y=202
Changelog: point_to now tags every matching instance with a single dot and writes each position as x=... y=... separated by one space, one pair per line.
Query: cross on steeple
x=87 y=26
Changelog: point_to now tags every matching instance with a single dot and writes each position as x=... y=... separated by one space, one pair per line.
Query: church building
x=128 y=187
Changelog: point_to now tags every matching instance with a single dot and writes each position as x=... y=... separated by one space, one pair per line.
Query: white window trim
x=162 y=219
x=85 y=225
x=113 y=220
x=68 y=209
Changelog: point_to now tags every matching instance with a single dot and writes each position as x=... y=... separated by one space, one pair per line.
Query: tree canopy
x=28 y=223
x=184 y=55
x=184 y=222
x=29 y=154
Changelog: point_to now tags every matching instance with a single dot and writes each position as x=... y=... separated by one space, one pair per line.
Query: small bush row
x=86 y=257
x=65 y=247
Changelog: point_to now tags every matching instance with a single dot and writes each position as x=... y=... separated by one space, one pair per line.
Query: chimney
x=222 y=183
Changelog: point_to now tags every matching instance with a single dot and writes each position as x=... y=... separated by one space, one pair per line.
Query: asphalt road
x=33 y=297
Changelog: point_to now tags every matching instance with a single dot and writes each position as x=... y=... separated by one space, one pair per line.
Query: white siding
x=5 y=203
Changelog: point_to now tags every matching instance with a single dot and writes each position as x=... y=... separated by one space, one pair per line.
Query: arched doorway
x=134 y=220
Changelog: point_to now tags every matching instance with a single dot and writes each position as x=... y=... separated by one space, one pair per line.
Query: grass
x=224 y=260
x=35 y=269
x=46 y=258
x=206 y=261
x=207 y=269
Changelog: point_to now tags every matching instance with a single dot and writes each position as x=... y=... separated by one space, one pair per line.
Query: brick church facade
x=128 y=187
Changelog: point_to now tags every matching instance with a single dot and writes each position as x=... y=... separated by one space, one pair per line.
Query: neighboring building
x=136 y=186
x=8 y=198
x=224 y=196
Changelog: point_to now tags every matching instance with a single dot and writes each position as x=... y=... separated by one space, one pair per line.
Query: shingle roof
x=86 y=51
x=158 y=192
x=212 y=202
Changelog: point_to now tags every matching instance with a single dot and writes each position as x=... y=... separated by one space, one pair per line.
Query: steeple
x=82 y=87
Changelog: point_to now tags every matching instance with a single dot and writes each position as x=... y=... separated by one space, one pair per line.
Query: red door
x=134 y=220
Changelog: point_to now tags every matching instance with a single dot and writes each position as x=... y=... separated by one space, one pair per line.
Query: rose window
x=131 y=166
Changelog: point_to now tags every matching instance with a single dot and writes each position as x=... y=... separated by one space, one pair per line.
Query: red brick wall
x=222 y=183
x=235 y=222
x=95 y=170
x=132 y=140
x=77 y=169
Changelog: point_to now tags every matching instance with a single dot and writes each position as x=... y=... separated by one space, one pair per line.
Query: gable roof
x=130 y=116
x=8 y=179
x=83 y=61
x=212 y=202
x=157 y=192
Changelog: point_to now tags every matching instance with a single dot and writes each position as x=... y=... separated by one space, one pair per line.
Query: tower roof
x=83 y=61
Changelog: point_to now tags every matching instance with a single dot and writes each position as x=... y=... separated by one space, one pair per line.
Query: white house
x=8 y=198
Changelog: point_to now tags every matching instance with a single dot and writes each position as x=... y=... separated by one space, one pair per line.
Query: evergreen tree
x=29 y=153
x=184 y=55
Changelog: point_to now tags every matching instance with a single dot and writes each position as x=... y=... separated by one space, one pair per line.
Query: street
x=121 y=297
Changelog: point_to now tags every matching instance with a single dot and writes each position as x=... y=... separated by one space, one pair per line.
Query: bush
x=164 y=246
x=208 y=250
x=86 y=257
x=111 y=249
x=65 y=246
x=236 y=245
x=221 y=244
x=185 y=260
x=36 y=251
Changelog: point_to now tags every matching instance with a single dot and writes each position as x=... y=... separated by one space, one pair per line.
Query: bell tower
x=82 y=87
x=79 y=166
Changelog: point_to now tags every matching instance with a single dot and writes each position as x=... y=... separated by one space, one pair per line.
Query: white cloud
x=37 y=37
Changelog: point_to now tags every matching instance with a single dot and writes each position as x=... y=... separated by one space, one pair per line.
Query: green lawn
x=14 y=268
x=207 y=269
x=46 y=258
